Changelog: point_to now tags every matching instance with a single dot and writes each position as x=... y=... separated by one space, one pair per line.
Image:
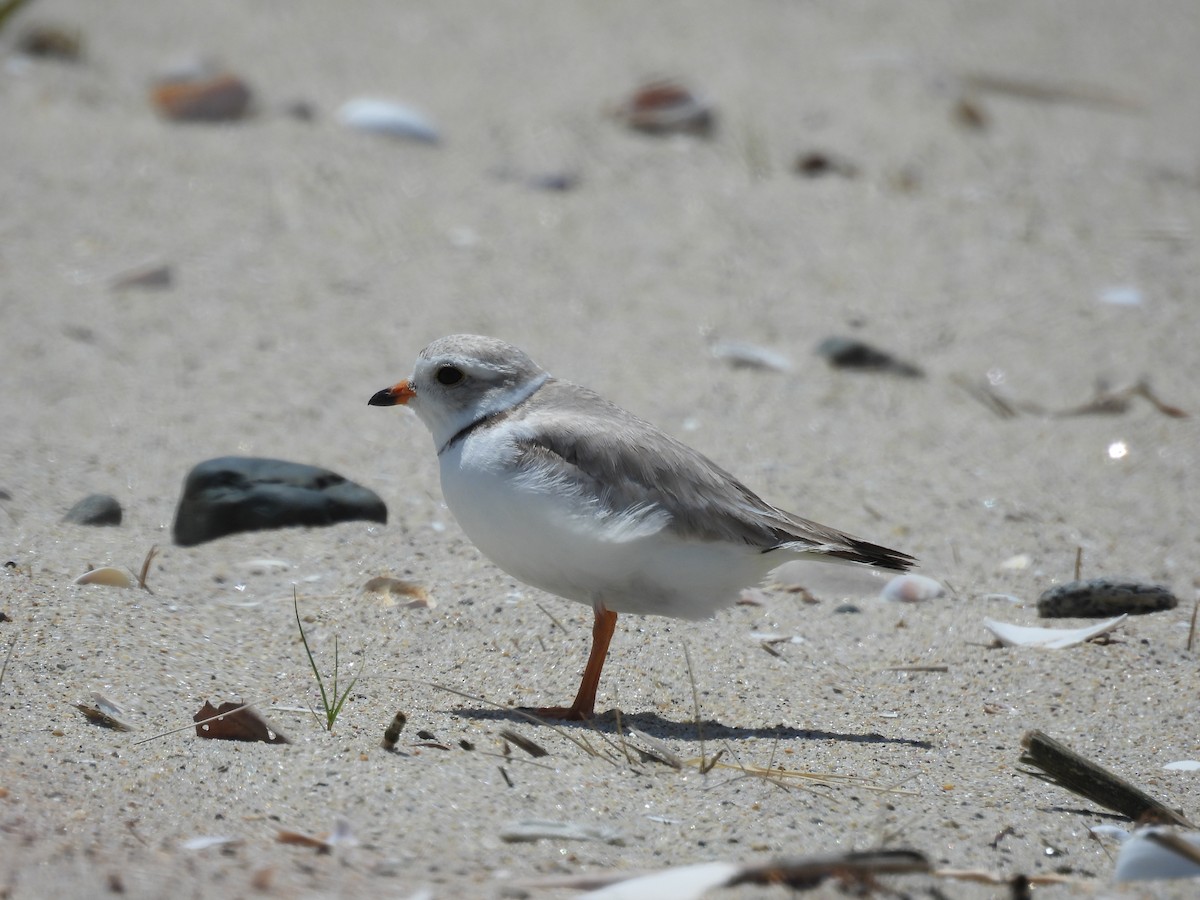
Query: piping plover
x=573 y=495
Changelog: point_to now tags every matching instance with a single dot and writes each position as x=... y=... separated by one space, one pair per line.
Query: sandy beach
x=1013 y=206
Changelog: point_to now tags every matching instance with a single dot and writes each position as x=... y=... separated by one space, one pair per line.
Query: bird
x=572 y=494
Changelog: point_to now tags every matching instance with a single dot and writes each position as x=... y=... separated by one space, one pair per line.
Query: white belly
x=563 y=544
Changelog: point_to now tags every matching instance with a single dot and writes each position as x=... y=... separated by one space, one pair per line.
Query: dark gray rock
x=95 y=509
x=238 y=493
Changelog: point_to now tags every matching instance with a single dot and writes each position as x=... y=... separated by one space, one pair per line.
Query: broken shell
x=744 y=355
x=389 y=588
x=110 y=576
x=667 y=107
x=1050 y=638
x=208 y=99
x=102 y=711
x=529 y=830
x=387 y=118
x=204 y=842
x=911 y=588
x=1157 y=852
x=1017 y=563
x=1099 y=597
x=681 y=882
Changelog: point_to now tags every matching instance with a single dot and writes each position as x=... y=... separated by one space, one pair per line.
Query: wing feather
x=633 y=468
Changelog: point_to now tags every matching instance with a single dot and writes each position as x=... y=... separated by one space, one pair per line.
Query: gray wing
x=631 y=465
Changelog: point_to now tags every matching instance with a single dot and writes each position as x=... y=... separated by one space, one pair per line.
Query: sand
x=311 y=263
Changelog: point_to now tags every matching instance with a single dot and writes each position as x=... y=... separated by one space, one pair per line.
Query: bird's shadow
x=689 y=730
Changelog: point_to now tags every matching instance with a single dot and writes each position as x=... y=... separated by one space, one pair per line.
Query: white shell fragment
x=681 y=883
x=1155 y=853
x=204 y=842
x=110 y=576
x=744 y=355
x=1017 y=563
x=529 y=830
x=1122 y=295
x=1050 y=638
x=266 y=566
x=911 y=588
x=103 y=711
x=387 y=118
x=1183 y=765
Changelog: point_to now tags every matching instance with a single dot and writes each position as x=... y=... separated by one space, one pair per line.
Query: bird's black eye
x=449 y=375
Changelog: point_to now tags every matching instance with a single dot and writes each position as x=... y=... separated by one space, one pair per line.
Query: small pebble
x=51 y=42
x=217 y=98
x=95 y=509
x=1100 y=598
x=816 y=163
x=151 y=277
x=970 y=114
x=851 y=353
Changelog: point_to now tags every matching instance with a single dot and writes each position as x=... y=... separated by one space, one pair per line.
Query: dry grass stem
x=151 y=553
x=191 y=726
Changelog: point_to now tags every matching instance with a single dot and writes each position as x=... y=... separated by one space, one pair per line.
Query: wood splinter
x=1062 y=766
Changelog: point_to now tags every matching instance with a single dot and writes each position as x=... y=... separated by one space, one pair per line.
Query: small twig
x=550 y=616
x=1176 y=845
x=1191 y=641
x=153 y=552
x=851 y=868
x=916 y=669
x=1062 y=766
x=529 y=717
x=1078 y=562
x=656 y=749
x=1049 y=92
x=537 y=751
x=621 y=735
x=696 y=707
x=985 y=394
x=13 y=646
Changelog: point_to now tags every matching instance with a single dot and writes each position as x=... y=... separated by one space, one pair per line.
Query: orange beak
x=396 y=395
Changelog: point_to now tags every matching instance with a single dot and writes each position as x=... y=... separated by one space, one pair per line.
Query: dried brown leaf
x=234 y=722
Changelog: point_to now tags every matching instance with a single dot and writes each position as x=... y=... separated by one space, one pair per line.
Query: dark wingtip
x=878 y=556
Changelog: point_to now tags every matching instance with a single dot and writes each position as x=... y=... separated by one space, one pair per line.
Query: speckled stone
x=1099 y=598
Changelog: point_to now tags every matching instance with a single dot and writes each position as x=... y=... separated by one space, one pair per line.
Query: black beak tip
x=386 y=397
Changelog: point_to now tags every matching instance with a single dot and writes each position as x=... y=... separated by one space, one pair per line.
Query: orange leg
x=584 y=706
